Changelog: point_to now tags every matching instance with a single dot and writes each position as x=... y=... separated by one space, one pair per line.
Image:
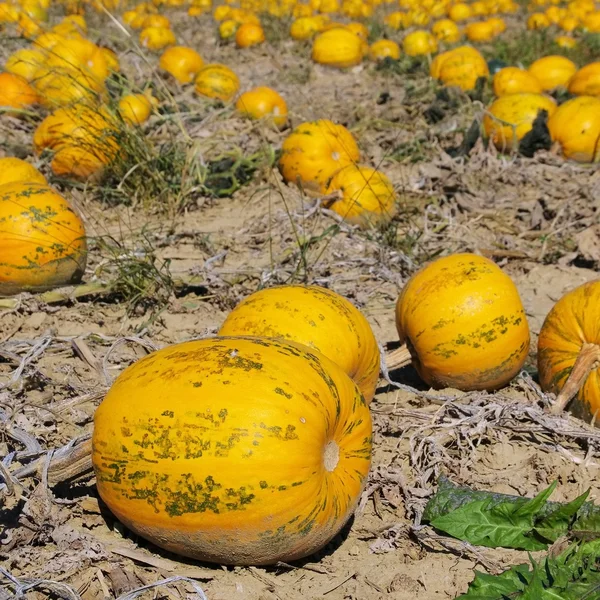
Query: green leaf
x=560 y=520
x=498 y=587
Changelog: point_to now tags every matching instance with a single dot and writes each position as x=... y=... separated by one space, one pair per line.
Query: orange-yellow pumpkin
x=182 y=62
x=382 y=49
x=263 y=102
x=136 y=109
x=512 y=80
x=249 y=34
x=586 y=81
x=553 y=71
x=15 y=93
x=481 y=31
x=25 y=62
x=463 y=324
x=569 y=352
x=314 y=151
x=244 y=451
x=42 y=239
x=217 y=81
x=337 y=47
x=316 y=317
x=157 y=38
x=576 y=127
x=14 y=169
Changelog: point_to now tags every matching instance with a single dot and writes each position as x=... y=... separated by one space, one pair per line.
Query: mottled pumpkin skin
x=463 y=322
x=223 y=449
x=573 y=321
x=316 y=317
x=42 y=239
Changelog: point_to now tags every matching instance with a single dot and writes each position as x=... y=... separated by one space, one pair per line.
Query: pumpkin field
x=299 y=299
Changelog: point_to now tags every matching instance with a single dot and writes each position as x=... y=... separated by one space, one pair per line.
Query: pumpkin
x=382 y=49
x=76 y=55
x=419 y=43
x=314 y=151
x=315 y=317
x=482 y=31
x=25 y=62
x=398 y=20
x=135 y=109
x=156 y=21
x=228 y=28
x=361 y=195
x=235 y=450
x=15 y=93
x=569 y=23
x=510 y=118
x=249 y=34
x=591 y=22
x=63 y=88
x=42 y=239
x=157 y=38
x=565 y=41
x=498 y=25
x=553 y=71
x=217 y=81
x=337 y=47
x=446 y=30
x=569 y=352
x=263 y=102
x=462 y=68
x=462 y=324
x=181 y=62
x=586 y=81
x=304 y=28
x=460 y=12
x=576 y=127
x=111 y=59
x=512 y=80
x=14 y=169
x=538 y=21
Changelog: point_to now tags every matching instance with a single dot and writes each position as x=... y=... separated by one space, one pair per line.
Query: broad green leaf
x=498 y=587
x=560 y=520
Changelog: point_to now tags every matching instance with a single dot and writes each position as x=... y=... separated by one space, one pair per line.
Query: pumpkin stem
x=330 y=199
x=587 y=361
x=396 y=359
x=331 y=456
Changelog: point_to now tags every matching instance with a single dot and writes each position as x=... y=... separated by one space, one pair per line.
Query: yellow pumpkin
x=157 y=38
x=216 y=449
x=263 y=102
x=382 y=49
x=446 y=30
x=553 y=71
x=249 y=34
x=63 y=88
x=156 y=21
x=304 y=28
x=314 y=151
x=14 y=169
x=337 y=47
x=510 y=118
x=462 y=68
x=15 y=93
x=569 y=352
x=437 y=63
x=217 y=81
x=576 y=127
x=25 y=62
x=316 y=317
x=538 y=21
x=42 y=239
x=498 y=25
x=181 y=62
x=111 y=59
x=482 y=31
x=462 y=323
x=361 y=195
x=565 y=41
x=591 y=22
x=135 y=109
x=586 y=81
x=419 y=43
x=460 y=12
x=512 y=80
x=227 y=29
x=569 y=23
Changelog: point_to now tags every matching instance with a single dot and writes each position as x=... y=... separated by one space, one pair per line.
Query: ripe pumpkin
x=181 y=62
x=42 y=239
x=304 y=28
x=361 y=195
x=249 y=34
x=462 y=68
x=510 y=118
x=569 y=352
x=314 y=151
x=460 y=12
x=512 y=80
x=586 y=81
x=217 y=81
x=315 y=317
x=25 y=62
x=157 y=38
x=14 y=169
x=337 y=47
x=135 y=109
x=576 y=126
x=538 y=21
x=64 y=87
x=553 y=71
x=462 y=323
x=15 y=93
x=482 y=31
x=419 y=43
x=263 y=102
x=216 y=449
x=565 y=41
x=446 y=30
x=382 y=49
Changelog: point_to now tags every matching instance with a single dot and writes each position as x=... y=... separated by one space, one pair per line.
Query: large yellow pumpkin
x=510 y=118
x=553 y=71
x=217 y=81
x=233 y=450
x=15 y=169
x=316 y=317
x=42 y=239
x=462 y=323
x=569 y=352
x=576 y=127
x=586 y=81
x=337 y=47
x=314 y=151
x=361 y=195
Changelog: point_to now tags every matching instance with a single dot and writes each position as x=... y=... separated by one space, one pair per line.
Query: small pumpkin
x=14 y=169
x=446 y=30
x=315 y=317
x=216 y=449
x=481 y=31
x=305 y=28
x=181 y=62
x=361 y=195
x=537 y=21
x=337 y=47
x=15 y=93
x=460 y=11
x=553 y=71
x=314 y=151
x=382 y=49
x=263 y=102
x=462 y=324
x=512 y=80
x=136 y=109
x=157 y=38
x=217 y=81
x=419 y=43
x=586 y=81
x=510 y=118
x=569 y=352
x=249 y=34
x=576 y=127
x=42 y=239
x=565 y=41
